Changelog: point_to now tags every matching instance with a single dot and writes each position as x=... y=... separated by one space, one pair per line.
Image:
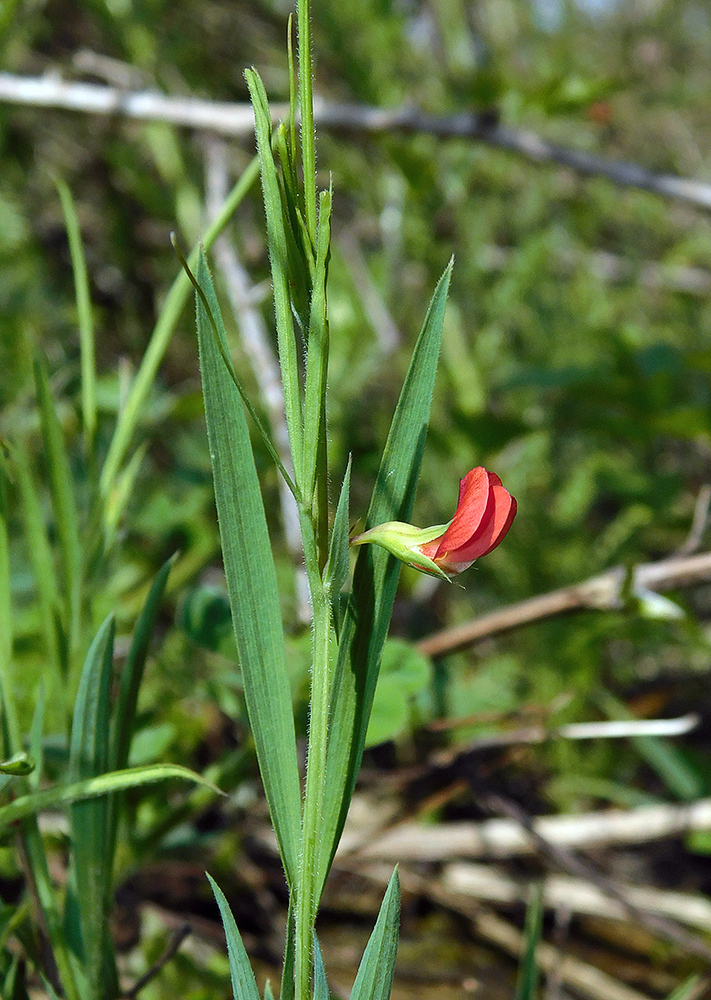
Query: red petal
x=493 y=532
x=473 y=510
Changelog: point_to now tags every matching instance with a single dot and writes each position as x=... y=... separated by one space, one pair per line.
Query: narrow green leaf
x=293 y=94
x=91 y=788
x=278 y=255
x=252 y=585
x=317 y=357
x=244 y=986
x=336 y=572
x=73 y=984
x=86 y=324
x=306 y=107
x=89 y=758
x=42 y=562
x=63 y=504
x=36 y=734
x=132 y=672
x=115 y=504
x=528 y=973
x=320 y=983
x=375 y=972
x=131 y=676
x=160 y=338
x=224 y=353
x=288 y=986
x=10 y=722
x=375 y=580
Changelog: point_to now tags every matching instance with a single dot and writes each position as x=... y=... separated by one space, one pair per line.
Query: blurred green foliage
x=576 y=359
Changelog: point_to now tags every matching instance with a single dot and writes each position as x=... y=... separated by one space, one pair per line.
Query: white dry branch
x=52 y=91
x=506 y=838
x=489 y=883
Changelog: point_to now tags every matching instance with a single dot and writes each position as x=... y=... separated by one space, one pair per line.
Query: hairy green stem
x=306 y=892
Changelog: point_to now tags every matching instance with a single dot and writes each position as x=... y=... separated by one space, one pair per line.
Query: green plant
x=348 y=628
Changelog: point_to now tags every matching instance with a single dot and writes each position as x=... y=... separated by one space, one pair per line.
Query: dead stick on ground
x=504 y=838
x=582 y=868
x=603 y=592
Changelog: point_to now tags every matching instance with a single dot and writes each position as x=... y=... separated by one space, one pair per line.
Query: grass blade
x=131 y=676
x=64 y=506
x=336 y=572
x=86 y=323
x=160 y=338
x=317 y=357
x=278 y=255
x=375 y=972
x=89 y=758
x=528 y=974
x=375 y=580
x=91 y=788
x=8 y=709
x=132 y=673
x=252 y=585
x=42 y=562
x=72 y=983
x=244 y=986
x=320 y=983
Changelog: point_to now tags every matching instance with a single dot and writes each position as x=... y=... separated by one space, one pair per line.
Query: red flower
x=484 y=514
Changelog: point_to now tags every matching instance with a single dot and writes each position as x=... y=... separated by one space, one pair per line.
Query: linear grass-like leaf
x=8 y=708
x=336 y=572
x=132 y=672
x=251 y=584
x=89 y=758
x=375 y=972
x=320 y=983
x=528 y=973
x=84 y=316
x=73 y=984
x=279 y=257
x=244 y=986
x=63 y=504
x=125 y=712
x=369 y=609
x=91 y=788
x=41 y=559
x=317 y=355
x=160 y=338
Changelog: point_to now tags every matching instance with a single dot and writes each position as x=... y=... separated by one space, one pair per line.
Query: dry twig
x=505 y=838
x=236 y=119
x=602 y=592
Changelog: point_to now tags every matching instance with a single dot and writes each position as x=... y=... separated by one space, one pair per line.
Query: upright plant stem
x=306 y=901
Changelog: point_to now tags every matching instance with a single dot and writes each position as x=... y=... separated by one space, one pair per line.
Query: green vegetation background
x=576 y=359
